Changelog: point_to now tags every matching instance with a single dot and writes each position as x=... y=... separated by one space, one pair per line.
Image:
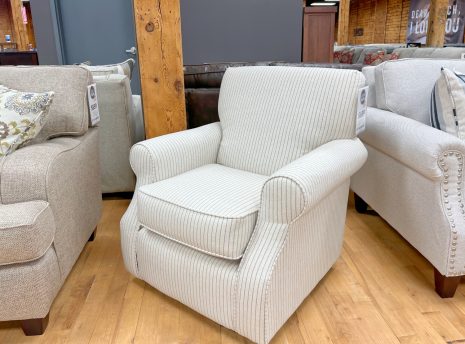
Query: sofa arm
x=369 y=73
x=169 y=155
x=138 y=119
x=309 y=179
x=65 y=172
x=412 y=143
x=24 y=174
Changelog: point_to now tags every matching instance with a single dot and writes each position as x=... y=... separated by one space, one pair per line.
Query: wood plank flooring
x=379 y=291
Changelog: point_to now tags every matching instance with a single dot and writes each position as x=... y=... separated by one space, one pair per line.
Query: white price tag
x=93 y=104
x=362 y=105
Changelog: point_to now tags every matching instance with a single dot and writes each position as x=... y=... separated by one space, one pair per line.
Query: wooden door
x=318 y=34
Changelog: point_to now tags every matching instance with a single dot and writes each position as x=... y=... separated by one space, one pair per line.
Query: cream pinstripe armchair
x=241 y=219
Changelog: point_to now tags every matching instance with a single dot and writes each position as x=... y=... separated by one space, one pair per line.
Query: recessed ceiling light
x=323 y=4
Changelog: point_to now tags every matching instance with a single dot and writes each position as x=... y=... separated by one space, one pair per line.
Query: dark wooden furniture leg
x=93 y=235
x=34 y=327
x=360 y=204
x=445 y=286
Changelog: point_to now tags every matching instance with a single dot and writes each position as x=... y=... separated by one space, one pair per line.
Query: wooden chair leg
x=360 y=205
x=34 y=327
x=445 y=286
x=93 y=235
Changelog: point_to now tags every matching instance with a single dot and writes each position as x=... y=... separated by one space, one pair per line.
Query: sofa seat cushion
x=26 y=231
x=212 y=209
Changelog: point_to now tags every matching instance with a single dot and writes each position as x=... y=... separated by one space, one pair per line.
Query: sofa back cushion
x=404 y=53
x=69 y=114
x=423 y=53
x=405 y=86
x=448 y=53
x=271 y=116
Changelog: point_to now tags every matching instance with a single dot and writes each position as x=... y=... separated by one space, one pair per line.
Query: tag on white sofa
x=362 y=105
x=93 y=104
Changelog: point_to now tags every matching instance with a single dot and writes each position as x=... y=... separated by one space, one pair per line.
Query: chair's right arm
x=162 y=158
x=169 y=155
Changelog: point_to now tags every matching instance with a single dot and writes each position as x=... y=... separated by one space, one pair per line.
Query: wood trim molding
x=158 y=30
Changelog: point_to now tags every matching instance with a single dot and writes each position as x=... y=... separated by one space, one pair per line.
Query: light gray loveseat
x=414 y=173
x=50 y=198
x=121 y=126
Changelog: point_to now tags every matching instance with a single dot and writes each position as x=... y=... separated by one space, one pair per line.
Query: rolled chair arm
x=410 y=142
x=169 y=155
x=300 y=185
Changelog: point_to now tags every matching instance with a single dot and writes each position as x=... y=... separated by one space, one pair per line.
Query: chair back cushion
x=69 y=114
x=404 y=86
x=271 y=116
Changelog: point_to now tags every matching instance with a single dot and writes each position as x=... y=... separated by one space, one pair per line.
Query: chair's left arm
x=308 y=180
x=298 y=235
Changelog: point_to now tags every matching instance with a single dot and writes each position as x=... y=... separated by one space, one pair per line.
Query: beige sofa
x=50 y=198
x=414 y=173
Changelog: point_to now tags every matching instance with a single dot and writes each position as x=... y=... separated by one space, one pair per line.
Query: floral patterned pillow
x=374 y=58
x=22 y=116
x=343 y=56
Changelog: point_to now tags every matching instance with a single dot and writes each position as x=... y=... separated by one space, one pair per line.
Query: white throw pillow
x=447 y=110
x=22 y=116
x=123 y=68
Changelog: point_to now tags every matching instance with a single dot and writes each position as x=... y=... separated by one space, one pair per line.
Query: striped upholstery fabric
x=271 y=116
x=302 y=180
x=212 y=208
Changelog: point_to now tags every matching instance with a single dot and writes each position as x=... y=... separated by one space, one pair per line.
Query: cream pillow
x=447 y=110
x=123 y=68
x=22 y=116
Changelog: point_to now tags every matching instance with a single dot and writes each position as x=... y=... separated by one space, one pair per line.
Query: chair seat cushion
x=212 y=209
x=26 y=231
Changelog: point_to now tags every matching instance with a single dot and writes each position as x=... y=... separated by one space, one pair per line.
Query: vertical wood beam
x=437 y=23
x=343 y=22
x=20 y=32
x=158 y=30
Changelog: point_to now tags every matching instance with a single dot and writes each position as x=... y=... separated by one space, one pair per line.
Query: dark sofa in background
x=202 y=87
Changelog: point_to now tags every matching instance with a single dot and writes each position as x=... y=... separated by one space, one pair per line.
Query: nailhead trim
x=445 y=192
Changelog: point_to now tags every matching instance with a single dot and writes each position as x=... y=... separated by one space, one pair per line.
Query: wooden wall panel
x=382 y=21
x=379 y=31
x=158 y=28
x=6 y=24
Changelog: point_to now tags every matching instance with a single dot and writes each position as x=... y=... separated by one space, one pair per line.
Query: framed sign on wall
x=418 y=21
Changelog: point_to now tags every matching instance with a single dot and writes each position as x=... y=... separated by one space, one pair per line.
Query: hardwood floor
x=380 y=291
